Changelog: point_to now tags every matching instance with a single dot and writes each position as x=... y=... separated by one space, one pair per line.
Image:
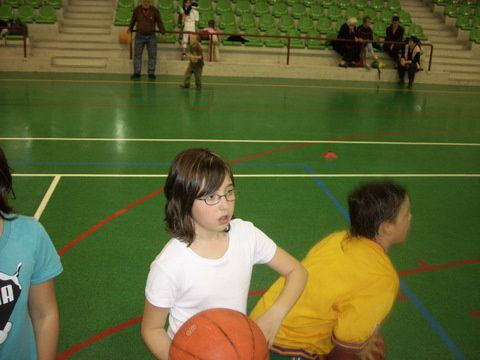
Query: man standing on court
x=146 y=17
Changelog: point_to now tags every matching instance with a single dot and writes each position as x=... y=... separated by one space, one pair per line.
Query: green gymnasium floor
x=90 y=153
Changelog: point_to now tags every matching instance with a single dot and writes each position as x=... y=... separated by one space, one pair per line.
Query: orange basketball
x=219 y=334
x=124 y=37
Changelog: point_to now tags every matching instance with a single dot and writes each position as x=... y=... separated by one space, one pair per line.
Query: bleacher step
x=84 y=30
x=93 y=63
x=79 y=45
x=94 y=23
x=88 y=16
x=92 y=38
x=81 y=53
x=91 y=9
x=95 y=3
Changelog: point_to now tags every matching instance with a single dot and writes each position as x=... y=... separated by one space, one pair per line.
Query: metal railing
x=288 y=45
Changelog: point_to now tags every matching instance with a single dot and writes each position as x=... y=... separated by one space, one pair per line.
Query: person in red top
x=146 y=17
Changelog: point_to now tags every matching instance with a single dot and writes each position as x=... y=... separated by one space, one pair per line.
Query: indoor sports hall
x=90 y=154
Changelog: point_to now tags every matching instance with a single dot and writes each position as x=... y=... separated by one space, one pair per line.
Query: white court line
x=353 y=142
x=251 y=175
x=47 y=197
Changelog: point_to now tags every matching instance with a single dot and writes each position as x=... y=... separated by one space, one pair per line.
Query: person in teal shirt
x=29 y=320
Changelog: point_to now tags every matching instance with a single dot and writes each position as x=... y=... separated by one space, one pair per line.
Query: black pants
x=410 y=69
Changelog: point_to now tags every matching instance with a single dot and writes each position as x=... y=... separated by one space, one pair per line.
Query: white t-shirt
x=191 y=19
x=187 y=283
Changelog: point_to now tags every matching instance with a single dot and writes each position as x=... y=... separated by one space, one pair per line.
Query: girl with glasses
x=208 y=262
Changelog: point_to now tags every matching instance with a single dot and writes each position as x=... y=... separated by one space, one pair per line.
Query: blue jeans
x=140 y=42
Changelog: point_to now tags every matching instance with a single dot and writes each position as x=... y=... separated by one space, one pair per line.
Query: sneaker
x=135 y=76
x=183 y=86
x=184 y=56
x=152 y=76
x=367 y=66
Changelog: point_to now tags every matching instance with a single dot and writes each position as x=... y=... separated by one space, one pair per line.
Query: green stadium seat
x=370 y=12
x=46 y=15
x=405 y=18
x=296 y=43
x=6 y=12
x=13 y=3
x=386 y=16
x=125 y=4
x=360 y=4
x=316 y=11
x=279 y=9
x=327 y=3
x=464 y=22
x=475 y=35
x=379 y=29
x=440 y=2
x=274 y=42
x=298 y=10
x=292 y=2
x=167 y=38
x=122 y=16
x=33 y=3
x=466 y=10
x=417 y=30
x=286 y=23
x=165 y=6
x=227 y=20
x=316 y=44
x=26 y=14
x=242 y=7
x=476 y=22
x=343 y=4
x=352 y=11
x=324 y=25
x=378 y=5
x=56 y=4
x=261 y=8
x=204 y=5
x=305 y=24
x=256 y=41
x=451 y=10
x=230 y=30
x=223 y=7
x=266 y=22
x=205 y=17
x=309 y=3
x=170 y=20
x=394 y=5
x=246 y=21
x=334 y=12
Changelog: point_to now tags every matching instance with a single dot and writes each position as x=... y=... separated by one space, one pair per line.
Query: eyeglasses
x=214 y=199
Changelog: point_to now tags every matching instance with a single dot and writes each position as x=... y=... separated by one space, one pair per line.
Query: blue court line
x=411 y=295
x=90 y=163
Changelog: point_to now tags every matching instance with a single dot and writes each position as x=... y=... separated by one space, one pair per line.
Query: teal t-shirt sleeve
x=47 y=260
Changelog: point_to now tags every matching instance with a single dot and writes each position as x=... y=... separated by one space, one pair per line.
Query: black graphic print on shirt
x=10 y=290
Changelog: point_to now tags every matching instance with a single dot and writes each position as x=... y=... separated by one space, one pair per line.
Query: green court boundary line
x=235 y=84
x=253 y=141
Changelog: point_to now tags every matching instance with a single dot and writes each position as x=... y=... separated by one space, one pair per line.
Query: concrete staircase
x=451 y=52
x=84 y=38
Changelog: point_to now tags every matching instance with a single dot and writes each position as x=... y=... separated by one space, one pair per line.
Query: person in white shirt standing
x=190 y=18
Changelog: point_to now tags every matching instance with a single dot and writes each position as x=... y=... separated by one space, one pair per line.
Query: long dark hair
x=194 y=173
x=5 y=187
x=373 y=203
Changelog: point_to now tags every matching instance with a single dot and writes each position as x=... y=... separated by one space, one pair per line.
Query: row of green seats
x=57 y=4
x=454 y=10
x=465 y=22
x=445 y=2
x=27 y=14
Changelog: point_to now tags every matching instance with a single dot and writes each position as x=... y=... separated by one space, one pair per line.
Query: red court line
x=136 y=320
x=98 y=337
x=424 y=267
x=94 y=228
x=475 y=313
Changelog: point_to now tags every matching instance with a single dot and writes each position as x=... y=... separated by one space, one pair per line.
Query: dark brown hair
x=194 y=173
x=373 y=203
x=5 y=187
